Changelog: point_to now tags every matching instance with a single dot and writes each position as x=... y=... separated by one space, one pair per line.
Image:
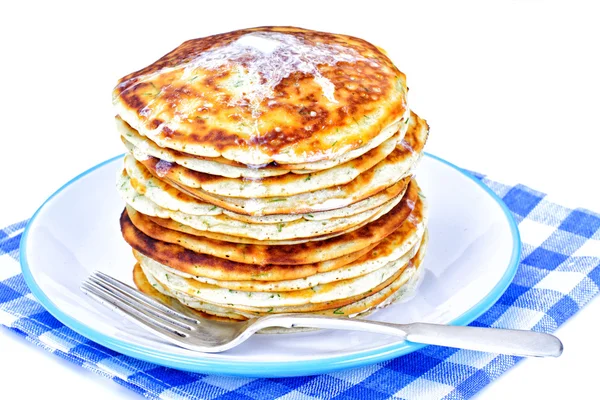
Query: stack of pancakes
x=269 y=170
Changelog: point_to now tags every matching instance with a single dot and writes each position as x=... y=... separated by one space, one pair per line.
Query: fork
x=204 y=335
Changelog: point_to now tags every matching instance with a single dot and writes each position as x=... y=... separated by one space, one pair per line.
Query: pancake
x=382 y=295
x=309 y=252
x=282 y=185
x=198 y=303
x=219 y=166
x=198 y=264
x=176 y=226
x=397 y=165
x=401 y=287
x=235 y=169
x=144 y=286
x=327 y=292
x=400 y=246
x=270 y=94
x=223 y=224
x=179 y=227
x=166 y=196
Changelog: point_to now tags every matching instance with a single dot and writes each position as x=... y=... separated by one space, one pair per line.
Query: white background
x=510 y=89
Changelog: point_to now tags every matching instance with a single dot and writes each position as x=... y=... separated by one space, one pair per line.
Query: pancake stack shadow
x=270 y=170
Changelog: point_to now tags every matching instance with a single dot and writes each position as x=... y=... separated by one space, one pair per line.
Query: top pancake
x=262 y=95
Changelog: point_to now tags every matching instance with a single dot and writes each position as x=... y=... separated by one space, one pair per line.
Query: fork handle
x=503 y=341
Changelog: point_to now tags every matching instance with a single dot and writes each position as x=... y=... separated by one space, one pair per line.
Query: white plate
x=472 y=256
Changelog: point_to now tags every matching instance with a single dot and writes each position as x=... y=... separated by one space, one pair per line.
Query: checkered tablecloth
x=558 y=274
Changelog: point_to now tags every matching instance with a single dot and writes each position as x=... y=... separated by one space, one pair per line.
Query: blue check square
x=521 y=200
x=545 y=259
x=581 y=223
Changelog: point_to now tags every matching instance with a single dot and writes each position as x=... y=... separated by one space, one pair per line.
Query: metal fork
x=204 y=335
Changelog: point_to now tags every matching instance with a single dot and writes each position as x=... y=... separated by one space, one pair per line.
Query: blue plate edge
x=269 y=369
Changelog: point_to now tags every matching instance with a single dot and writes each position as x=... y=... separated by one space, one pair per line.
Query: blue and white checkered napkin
x=559 y=273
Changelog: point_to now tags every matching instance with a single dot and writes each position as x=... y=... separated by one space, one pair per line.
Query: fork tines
x=146 y=311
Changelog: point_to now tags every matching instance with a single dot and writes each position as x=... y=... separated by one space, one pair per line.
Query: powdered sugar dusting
x=261 y=60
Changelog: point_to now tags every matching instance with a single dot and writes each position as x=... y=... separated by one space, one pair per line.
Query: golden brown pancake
x=136 y=181
x=142 y=283
x=400 y=245
x=381 y=176
x=171 y=196
x=274 y=186
x=269 y=94
x=304 y=296
x=358 y=305
x=199 y=264
x=309 y=252
x=179 y=227
x=208 y=173
x=298 y=231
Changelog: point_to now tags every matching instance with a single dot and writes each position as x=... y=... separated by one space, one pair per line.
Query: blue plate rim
x=268 y=369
